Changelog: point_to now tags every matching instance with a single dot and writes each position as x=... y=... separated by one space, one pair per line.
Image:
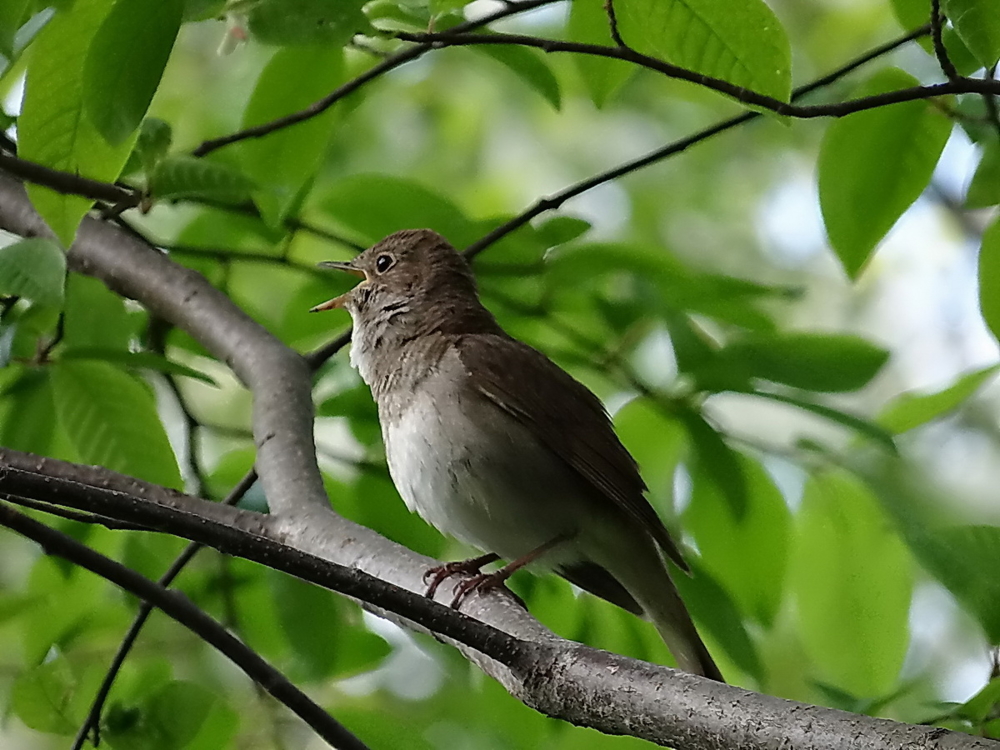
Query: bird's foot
x=439 y=573
x=481 y=583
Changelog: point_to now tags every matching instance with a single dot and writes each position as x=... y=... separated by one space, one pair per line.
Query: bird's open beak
x=337 y=265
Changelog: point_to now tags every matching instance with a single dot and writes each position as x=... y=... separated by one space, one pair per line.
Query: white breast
x=474 y=472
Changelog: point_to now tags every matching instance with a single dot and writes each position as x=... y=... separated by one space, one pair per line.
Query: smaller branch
x=183 y=611
x=72 y=515
x=947 y=66
x=68 y=183
x=389 y=63
x=741 y=94
x=609 y=8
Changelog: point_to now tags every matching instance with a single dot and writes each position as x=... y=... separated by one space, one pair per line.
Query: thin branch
x=72 y=515
x=553 y=202
x=68 y=183
x=93 y=720
x=937 y=23
x=744 y=95
x=388 y=64
x=181 y=609
x=609 y=8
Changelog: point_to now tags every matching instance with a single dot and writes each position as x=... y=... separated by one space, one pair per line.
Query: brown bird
x=494 y=444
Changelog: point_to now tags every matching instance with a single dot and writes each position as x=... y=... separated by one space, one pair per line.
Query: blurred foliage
x=815 y=420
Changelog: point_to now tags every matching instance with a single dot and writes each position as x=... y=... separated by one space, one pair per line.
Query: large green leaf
x=52 y=128
x=989 y=277
x=910 y=410
x=747 y=555
x=125 y=62
x=853 y=579
x=27 y=416
x=42 y=697
x=95 y=316
x=171 y=717
x=188 y=177
x=816 y=362
x=285 y=161
x=530 y=67
x=34 y=269
x=719 y=462
x=742 y=42
x=874 y=164
x=111 y=420
x=331 y=23
x=978 y=24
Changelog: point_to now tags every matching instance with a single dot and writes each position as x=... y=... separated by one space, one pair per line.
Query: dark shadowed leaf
x=34 y=269
x=125 y=62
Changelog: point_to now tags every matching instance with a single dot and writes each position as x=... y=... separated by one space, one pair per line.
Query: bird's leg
x=487 y=581
x=437 y=574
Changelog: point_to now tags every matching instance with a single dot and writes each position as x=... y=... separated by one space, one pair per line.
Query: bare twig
x=609 y=8
x=741 y=94
x=68 y=183
x=937 y=22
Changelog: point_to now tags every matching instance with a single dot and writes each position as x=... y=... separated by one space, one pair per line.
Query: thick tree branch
x=615 y=694
x=743 y=95
x=181 y=609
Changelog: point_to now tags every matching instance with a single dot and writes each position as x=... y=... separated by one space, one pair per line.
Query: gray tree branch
x=559 y=678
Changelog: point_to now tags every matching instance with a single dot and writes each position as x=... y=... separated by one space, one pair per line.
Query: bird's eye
x=383 y=263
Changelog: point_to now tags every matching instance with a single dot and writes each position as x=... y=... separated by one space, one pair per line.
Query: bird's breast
x=474 y=472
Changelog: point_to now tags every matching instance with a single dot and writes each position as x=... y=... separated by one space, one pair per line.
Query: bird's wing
x=565 y=417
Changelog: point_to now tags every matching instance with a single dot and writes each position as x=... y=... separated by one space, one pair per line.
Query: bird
x=494 y=444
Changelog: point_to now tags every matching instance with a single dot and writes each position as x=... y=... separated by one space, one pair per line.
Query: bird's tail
x=650 y=585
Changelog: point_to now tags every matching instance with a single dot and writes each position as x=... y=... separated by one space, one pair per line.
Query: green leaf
x=171 y=717
x=153 y=143
x=984 y=189
x=859 y=424
x=52 y=128
x=27 y=416
x=602 y=77
x=285 y=161
x=319 y=22
x=136 y=361
x=713 y=608
x=979 y=706
x=34 y=269
x=910 y=410
x=111 y=420
x=874 y=164
x=12 y=14
x=978 y=24
x=530 y=67
x=743 y=43
x=963 y=558
x=989 y=277
x=95 y=316
x=718 y=461
x=41 y=697
x=728 y=544
x=375 y=205
x=125 y=63
x=561 y=229
x=188 y=177
x=816 y=362
x=853 y=580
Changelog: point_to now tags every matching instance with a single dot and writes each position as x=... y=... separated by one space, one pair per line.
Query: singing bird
x=493 y=443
